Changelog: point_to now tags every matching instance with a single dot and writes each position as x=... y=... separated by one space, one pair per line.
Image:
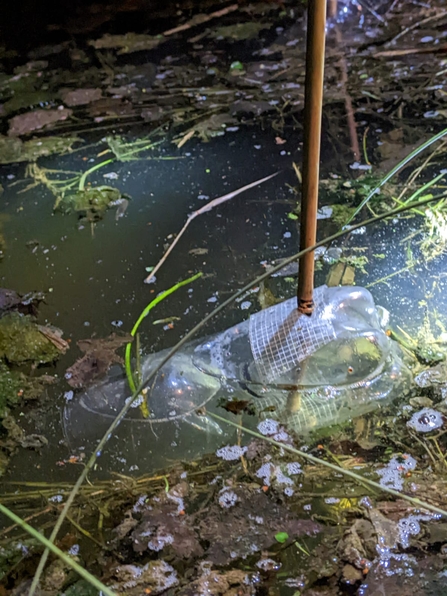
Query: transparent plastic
x=307 y=372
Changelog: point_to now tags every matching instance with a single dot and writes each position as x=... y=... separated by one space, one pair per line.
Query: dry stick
x=119 y=417
x=406 y=51
x=332 y=8
x=204 y=209
x=344 y=77
x=416 y=25
x=371 y=10
x=313 y=104
x=202 y=18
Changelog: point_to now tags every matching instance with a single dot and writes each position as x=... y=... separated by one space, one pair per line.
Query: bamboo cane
x=313 y=103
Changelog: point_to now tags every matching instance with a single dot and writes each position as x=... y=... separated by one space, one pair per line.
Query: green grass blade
x=394 y=171
x=146 y=311
x=69 y=561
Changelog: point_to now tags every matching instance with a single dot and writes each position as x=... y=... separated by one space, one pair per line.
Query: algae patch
x=21 y=341
x=92 y=203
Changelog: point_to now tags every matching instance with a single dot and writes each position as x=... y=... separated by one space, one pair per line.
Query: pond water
x=93 y=273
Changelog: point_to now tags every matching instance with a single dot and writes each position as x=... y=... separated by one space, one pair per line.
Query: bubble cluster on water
x=164 y=574
x=157 y=543
x=268 y=427
x=268 y=564
x=160 y=574
x=177 y=500
x=271 y=428
x=282 y=436
x=269 y=472
x=426 y=420
x=410 y=526
x=294 y=468
x=227 y=498
x=231 y=452
x=265 y=473
x=394 y=564
x=281 y=478
x=133 y=572
x=392 y=475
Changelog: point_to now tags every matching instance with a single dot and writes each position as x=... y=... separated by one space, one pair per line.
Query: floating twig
x=204 y=209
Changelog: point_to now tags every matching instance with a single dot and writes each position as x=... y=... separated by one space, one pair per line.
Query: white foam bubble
x=228 y=498
x=159 y=542
x=294 y=468
x=231 y=452
x=392 y=474
x=268 y=427
x=426 y=420
x=265 y=472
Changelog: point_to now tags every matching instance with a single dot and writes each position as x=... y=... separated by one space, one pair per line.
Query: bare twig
x=202 y=18
x=204 y=209
x=406 y=51
x=416 y=25
x=344 y=80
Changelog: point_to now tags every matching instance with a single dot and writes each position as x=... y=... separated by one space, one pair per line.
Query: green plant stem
x=387 y=277
x=394 y=171
x=321 y=462
x=140 y=319
x=69 y=561
x=109 y=432
x=423 y=188
x=83 y=178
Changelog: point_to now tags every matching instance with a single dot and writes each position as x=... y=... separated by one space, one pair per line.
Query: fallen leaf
x=35 y=120
x=198 y=251
x=98 y=357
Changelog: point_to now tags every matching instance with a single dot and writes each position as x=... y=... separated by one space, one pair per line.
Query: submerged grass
x=146 y=311
x=69 y=561
x=396 y=169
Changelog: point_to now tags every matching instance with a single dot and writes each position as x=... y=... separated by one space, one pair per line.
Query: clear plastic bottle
x=307 y=372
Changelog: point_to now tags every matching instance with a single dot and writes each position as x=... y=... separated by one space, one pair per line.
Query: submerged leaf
x=99 y=355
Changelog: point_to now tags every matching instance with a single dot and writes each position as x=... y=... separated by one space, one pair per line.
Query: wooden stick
x=344 y=79
x=313 y=104
x=199 y=19
x=204 y=209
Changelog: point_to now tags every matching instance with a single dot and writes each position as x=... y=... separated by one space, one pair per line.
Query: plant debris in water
x=99 y=355
x=22 y=340
x=92 y=203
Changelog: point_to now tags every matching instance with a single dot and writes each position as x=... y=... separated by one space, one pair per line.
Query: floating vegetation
x=434 y=234
x=22 y=340
x=13 y=150
x=91 y=204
